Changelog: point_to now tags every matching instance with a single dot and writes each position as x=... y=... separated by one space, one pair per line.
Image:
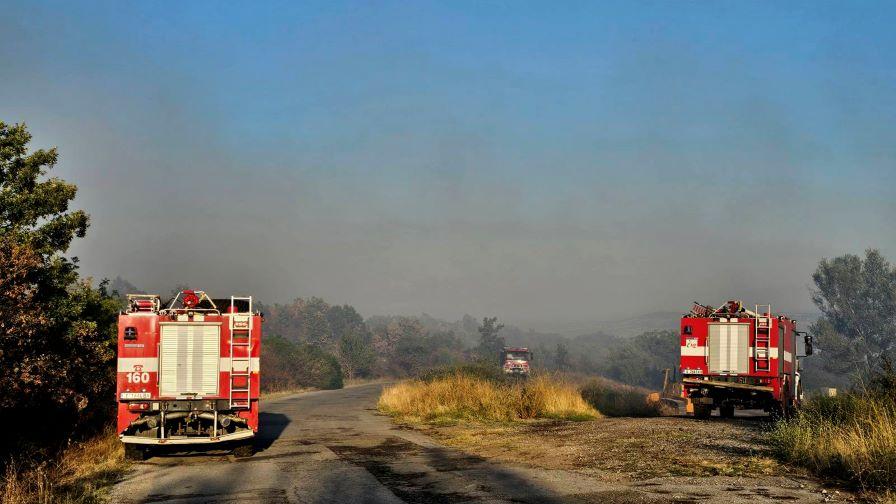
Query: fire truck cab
x=732 y=357
x=516 y=361
x=188 y=372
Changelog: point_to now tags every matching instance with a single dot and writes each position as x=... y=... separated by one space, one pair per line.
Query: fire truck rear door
x=729 y=348
x=189 y=359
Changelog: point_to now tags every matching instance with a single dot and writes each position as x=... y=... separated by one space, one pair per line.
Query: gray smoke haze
x=552 y=173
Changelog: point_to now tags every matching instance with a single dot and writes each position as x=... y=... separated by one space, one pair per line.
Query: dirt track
x=332 y=447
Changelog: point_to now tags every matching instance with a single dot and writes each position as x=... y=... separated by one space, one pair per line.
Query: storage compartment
x=729 y=348
x=190 y=355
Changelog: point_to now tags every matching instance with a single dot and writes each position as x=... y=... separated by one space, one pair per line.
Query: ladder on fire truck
x=240 y=343
x=762 y=338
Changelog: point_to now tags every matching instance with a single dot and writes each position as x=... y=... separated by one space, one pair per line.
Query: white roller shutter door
x=729 y=348
x=190 y=355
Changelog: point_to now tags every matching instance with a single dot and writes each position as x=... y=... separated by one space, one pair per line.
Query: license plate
x=691 y=371
x=135 y=395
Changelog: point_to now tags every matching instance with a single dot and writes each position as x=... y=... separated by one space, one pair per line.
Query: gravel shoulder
x=666 y=459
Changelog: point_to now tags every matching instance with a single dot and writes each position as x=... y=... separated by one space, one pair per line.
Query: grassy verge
x=449 y=397
x=618 y=400
x=851 y=437
x=82 y=474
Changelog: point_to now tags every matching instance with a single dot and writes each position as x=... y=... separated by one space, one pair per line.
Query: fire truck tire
x=702 y=411
x=726 y=411
x=244 y=450
x=135 y=452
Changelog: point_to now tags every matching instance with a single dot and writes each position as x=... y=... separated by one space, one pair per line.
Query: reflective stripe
x=254 y=362
x=127 y=364
x=151 y=364
x=788 y=357
x=772 y=353
x=700 y=351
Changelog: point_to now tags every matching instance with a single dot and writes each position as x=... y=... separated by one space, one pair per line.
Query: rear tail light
x=138 y=406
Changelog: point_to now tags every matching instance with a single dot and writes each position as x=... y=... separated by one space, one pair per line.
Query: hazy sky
x=547 y=163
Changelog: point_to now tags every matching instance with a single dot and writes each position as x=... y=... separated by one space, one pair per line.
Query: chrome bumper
x=187 y=440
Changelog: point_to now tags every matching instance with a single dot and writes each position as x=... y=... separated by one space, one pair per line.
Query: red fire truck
x=516 y=361
x=732 y=357
x=188 y=372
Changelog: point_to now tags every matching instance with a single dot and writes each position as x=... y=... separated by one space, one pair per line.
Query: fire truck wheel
x=135 y=452
x=702 y=411
x=726 y=411
x=243 y=450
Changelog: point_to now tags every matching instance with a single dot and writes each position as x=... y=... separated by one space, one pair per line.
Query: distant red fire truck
x=516 y=361
x=732 y=357
x=188 y=372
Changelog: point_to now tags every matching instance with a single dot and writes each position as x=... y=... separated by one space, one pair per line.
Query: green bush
x=288 y=365
x=480 y=370
x=57 y=330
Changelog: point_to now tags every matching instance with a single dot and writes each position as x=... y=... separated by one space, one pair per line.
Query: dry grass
x=460 y=396
x=82 y=474
x=851 y=437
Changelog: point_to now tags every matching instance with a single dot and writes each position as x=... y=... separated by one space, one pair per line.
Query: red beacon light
x=190 y=299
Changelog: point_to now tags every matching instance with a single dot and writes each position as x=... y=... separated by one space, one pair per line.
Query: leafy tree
x=640 y=360
x=56 y=332
x=289 y=365
x=398 y=345
x=405 y=347
x=355 y=352
x=561 y=357
x=545 y=358
x=416 y=352
x=317 y=330
x=858 y=300
x=354 y=349
x=444 y=348
x=304 y=320
x=490 y=343
x=387 y=336
x=284 y=319
x=344 y=319
x=411 y=354
x=32 y=210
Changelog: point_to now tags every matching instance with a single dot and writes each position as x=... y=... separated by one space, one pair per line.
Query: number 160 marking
x=138 y=377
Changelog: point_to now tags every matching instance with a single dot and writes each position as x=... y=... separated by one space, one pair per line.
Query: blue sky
x=543 y=162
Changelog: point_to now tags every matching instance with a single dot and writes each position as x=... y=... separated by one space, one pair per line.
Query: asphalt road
x=332 y=447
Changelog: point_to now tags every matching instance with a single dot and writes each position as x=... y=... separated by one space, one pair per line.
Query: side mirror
x=808 y=340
